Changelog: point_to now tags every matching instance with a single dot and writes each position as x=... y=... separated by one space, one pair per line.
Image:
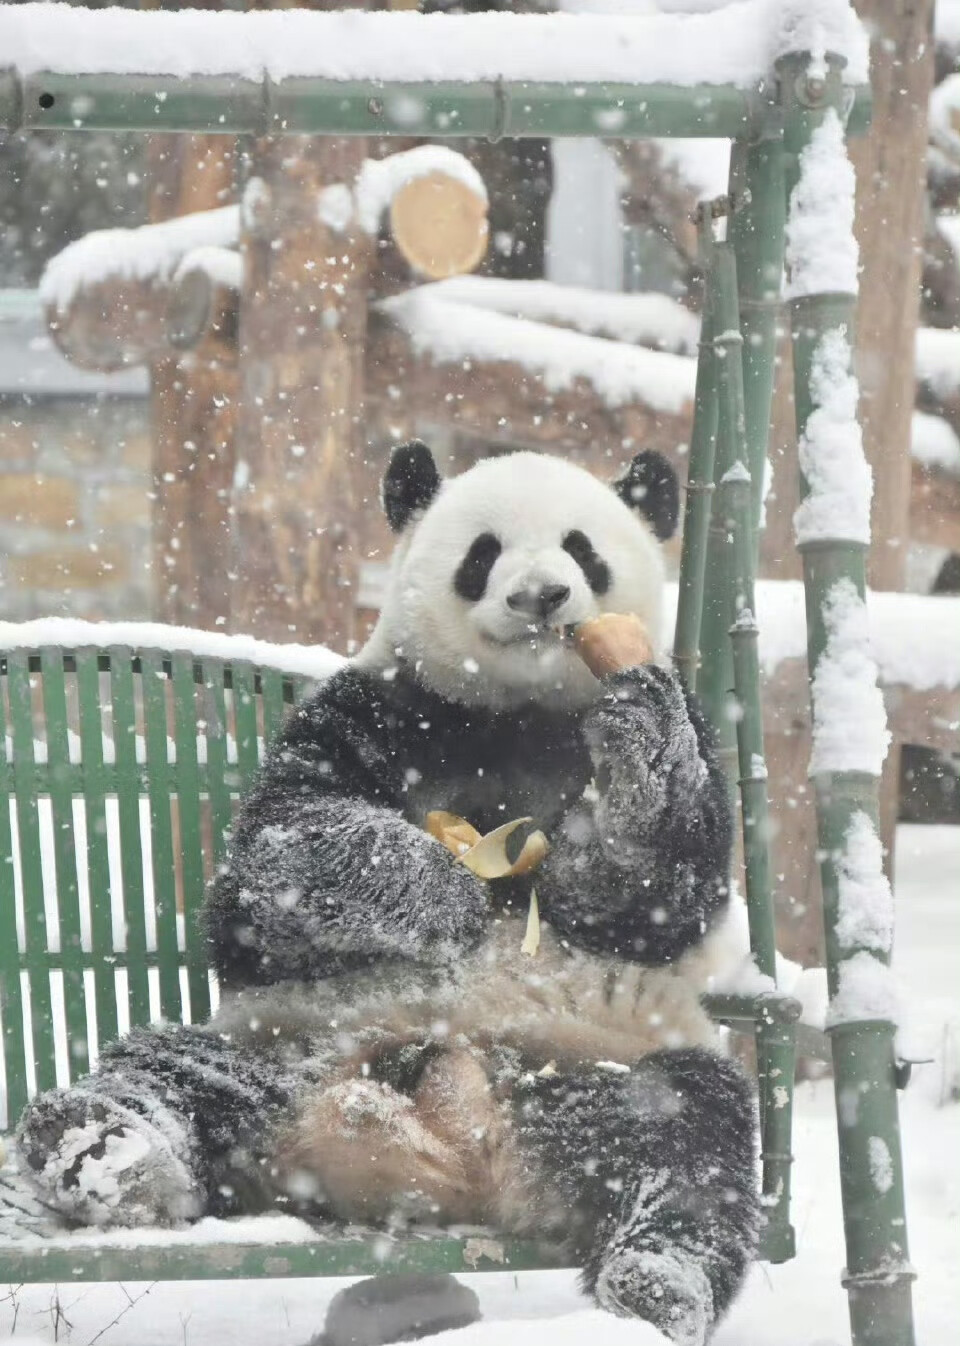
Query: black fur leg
x=656 y=1169
x=172 y=1126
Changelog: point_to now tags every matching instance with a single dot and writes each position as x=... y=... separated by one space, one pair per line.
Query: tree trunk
x=194 y=409
x=305 y=490
x=891 y=186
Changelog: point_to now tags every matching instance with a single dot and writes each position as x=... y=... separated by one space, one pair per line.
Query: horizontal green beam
x=234 y=106
x=374 y=1254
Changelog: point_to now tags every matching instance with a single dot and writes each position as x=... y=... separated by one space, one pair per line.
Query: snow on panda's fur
x=383 y=1050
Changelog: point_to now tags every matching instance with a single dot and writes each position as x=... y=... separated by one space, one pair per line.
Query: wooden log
x=439 y=225
x=113 y=324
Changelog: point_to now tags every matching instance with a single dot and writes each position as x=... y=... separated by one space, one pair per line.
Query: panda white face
x=493 y=566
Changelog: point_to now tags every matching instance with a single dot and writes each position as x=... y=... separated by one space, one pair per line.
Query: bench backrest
x=121 y=769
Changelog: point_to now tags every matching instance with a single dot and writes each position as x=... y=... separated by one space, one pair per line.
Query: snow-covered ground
x=799 y=1304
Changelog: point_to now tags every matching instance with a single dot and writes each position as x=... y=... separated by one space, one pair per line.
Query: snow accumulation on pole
x=850 y=734
x=737 y=45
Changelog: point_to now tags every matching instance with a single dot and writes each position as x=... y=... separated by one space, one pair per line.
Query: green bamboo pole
x=756 y=232
x=776 y=1042
x=878 y=1275
x=699 y=487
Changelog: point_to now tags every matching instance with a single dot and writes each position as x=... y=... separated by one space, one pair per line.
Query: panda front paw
x=640 y=732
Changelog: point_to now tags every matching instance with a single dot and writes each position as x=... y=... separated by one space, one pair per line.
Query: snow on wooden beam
x=653 y=320
x=356 y=73
x=735 y=46
x=504 y=402
x=462 y=336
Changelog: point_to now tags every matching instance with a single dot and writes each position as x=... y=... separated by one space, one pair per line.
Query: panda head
x=492 y=565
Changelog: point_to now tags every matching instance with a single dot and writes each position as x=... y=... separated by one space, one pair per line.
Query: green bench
x=119 y=776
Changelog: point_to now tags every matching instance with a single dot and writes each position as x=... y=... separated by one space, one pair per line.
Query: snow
x=737 y=45
x=913 y=635
x=800 y=1303
x=639 y=319
x=881 y=1163
x=312 y=661
x=866 y=990
x=849 y=719
x=947 y=22
x=838 y=476
x=821 y=251
x=934 y=443
x=938 y=360
x=379 y=180
x=224 y=266
x=945 y=114
x=151 y=252
x=949 y=225
x=865 y=915
x=453 y=333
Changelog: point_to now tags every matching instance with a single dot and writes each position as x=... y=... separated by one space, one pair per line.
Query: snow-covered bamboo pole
x=849 y=727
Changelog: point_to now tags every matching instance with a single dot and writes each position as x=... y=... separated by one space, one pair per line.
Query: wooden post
x=194 y=407
x=304 y=483
x=891 y=191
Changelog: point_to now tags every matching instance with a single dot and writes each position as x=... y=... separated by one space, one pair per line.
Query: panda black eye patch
x=595 y=569
x=470 y=581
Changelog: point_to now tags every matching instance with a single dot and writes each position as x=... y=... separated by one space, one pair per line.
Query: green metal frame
x=769 y=125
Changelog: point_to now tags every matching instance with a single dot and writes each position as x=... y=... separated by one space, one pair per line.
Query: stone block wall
x=75 y=483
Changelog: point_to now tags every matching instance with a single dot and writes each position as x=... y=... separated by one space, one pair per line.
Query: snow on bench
x=736 y=45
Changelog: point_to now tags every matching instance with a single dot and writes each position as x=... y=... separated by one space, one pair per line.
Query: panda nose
x=539 y=602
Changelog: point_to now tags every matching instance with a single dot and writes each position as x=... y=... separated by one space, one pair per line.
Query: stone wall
x=75 y=507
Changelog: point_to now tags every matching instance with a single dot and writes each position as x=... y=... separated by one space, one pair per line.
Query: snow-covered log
x=111 y=297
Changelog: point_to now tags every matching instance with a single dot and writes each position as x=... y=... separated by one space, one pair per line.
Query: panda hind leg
x=173 y=1125
x=655 y=1168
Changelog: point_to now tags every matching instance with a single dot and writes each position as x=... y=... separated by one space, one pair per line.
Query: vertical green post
x=699 y=487
x=878 y=1274
x=755 y=229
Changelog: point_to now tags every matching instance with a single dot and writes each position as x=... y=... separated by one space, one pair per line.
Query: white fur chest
x=568 y=1006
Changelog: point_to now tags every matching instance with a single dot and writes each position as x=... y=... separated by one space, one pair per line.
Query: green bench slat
x=11 y=991
x=65 y=860
x=191 y=846
x=129 y=791
x=98 y=855
x=31 y=871
x=154 y=686
x=215 y=721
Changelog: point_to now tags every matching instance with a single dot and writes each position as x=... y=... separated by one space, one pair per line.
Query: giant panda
x=388 y=1049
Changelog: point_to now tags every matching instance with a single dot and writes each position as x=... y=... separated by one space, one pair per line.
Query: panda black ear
x=650 y=486
x=409 y=483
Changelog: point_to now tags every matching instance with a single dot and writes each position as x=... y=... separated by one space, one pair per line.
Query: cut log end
x=439 y=225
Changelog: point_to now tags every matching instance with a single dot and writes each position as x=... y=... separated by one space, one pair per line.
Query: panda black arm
x=643 y=870
x=323 y=872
